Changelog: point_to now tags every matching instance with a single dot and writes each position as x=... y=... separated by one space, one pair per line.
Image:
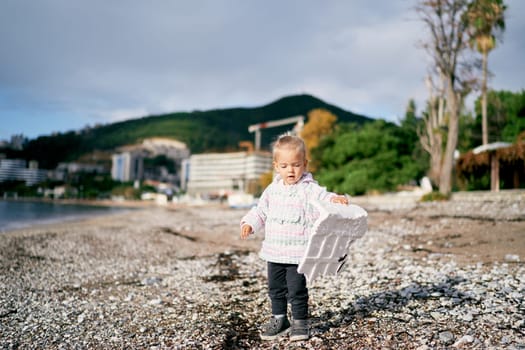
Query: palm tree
x=485 y=19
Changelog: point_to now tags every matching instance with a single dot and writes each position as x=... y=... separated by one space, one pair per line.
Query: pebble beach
x=179 y=277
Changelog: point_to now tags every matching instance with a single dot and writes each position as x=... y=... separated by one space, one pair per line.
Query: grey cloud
x=96 y=57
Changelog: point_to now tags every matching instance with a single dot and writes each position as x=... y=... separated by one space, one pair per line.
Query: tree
x=485 y=19
x=375 y=157
x=508 y=112
x=431 y=133
x=410 y=126
x=447 y=46
x=320 y=123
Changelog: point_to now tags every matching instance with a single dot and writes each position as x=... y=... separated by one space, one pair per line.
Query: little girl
x=285 y=213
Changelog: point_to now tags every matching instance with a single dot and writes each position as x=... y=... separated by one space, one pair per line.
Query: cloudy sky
x=65 y=64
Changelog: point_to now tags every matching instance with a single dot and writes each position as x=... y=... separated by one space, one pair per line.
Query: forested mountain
x=202 y=131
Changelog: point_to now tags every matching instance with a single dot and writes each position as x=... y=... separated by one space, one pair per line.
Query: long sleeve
x=257 y=215
x=315 y=192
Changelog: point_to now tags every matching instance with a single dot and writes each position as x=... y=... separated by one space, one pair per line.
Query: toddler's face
x=290 y=164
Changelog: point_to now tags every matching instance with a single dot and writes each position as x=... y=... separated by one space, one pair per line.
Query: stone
x=466 y=339
x=446 y=337
x=512 y=258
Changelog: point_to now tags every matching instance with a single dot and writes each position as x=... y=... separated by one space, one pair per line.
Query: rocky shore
x=440 y=275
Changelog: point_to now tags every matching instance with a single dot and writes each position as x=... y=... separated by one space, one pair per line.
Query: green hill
x=202 y=131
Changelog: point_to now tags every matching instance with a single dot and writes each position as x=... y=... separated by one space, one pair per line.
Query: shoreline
x=115 y=207
x=29 y=213
x=87 y=202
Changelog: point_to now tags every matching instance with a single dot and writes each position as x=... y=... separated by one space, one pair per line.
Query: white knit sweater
x=286 y=215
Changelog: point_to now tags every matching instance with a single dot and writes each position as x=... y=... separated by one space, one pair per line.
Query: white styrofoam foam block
x=337 y=227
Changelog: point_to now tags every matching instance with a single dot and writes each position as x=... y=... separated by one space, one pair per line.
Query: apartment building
x=223 y=173
x=17 y=170
x=128 y=163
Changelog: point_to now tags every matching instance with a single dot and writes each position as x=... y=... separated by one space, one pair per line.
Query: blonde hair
x=289 y=142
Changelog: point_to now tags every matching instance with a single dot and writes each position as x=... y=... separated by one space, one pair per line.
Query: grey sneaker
x=276 y=327
x=299 y=330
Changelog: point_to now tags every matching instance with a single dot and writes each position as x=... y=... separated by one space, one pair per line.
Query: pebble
x=446 y=337
x=97 y=290
x=466 y=339
x=512 y=258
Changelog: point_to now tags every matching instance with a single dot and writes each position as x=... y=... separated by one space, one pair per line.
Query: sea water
x=23 y=214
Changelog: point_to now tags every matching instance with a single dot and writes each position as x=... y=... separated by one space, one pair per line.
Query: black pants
x=285 y=285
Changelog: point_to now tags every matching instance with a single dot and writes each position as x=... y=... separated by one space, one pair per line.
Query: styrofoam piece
x=337 y=227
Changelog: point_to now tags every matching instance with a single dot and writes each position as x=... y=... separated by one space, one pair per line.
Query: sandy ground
x=467 y=241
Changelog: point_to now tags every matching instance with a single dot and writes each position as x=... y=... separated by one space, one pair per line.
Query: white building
x=221 y=173
x=64 y=169
x=128 y=165
x=16 y=169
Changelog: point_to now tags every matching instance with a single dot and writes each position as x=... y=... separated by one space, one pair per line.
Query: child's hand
x=340 y=200
x=245 y=231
